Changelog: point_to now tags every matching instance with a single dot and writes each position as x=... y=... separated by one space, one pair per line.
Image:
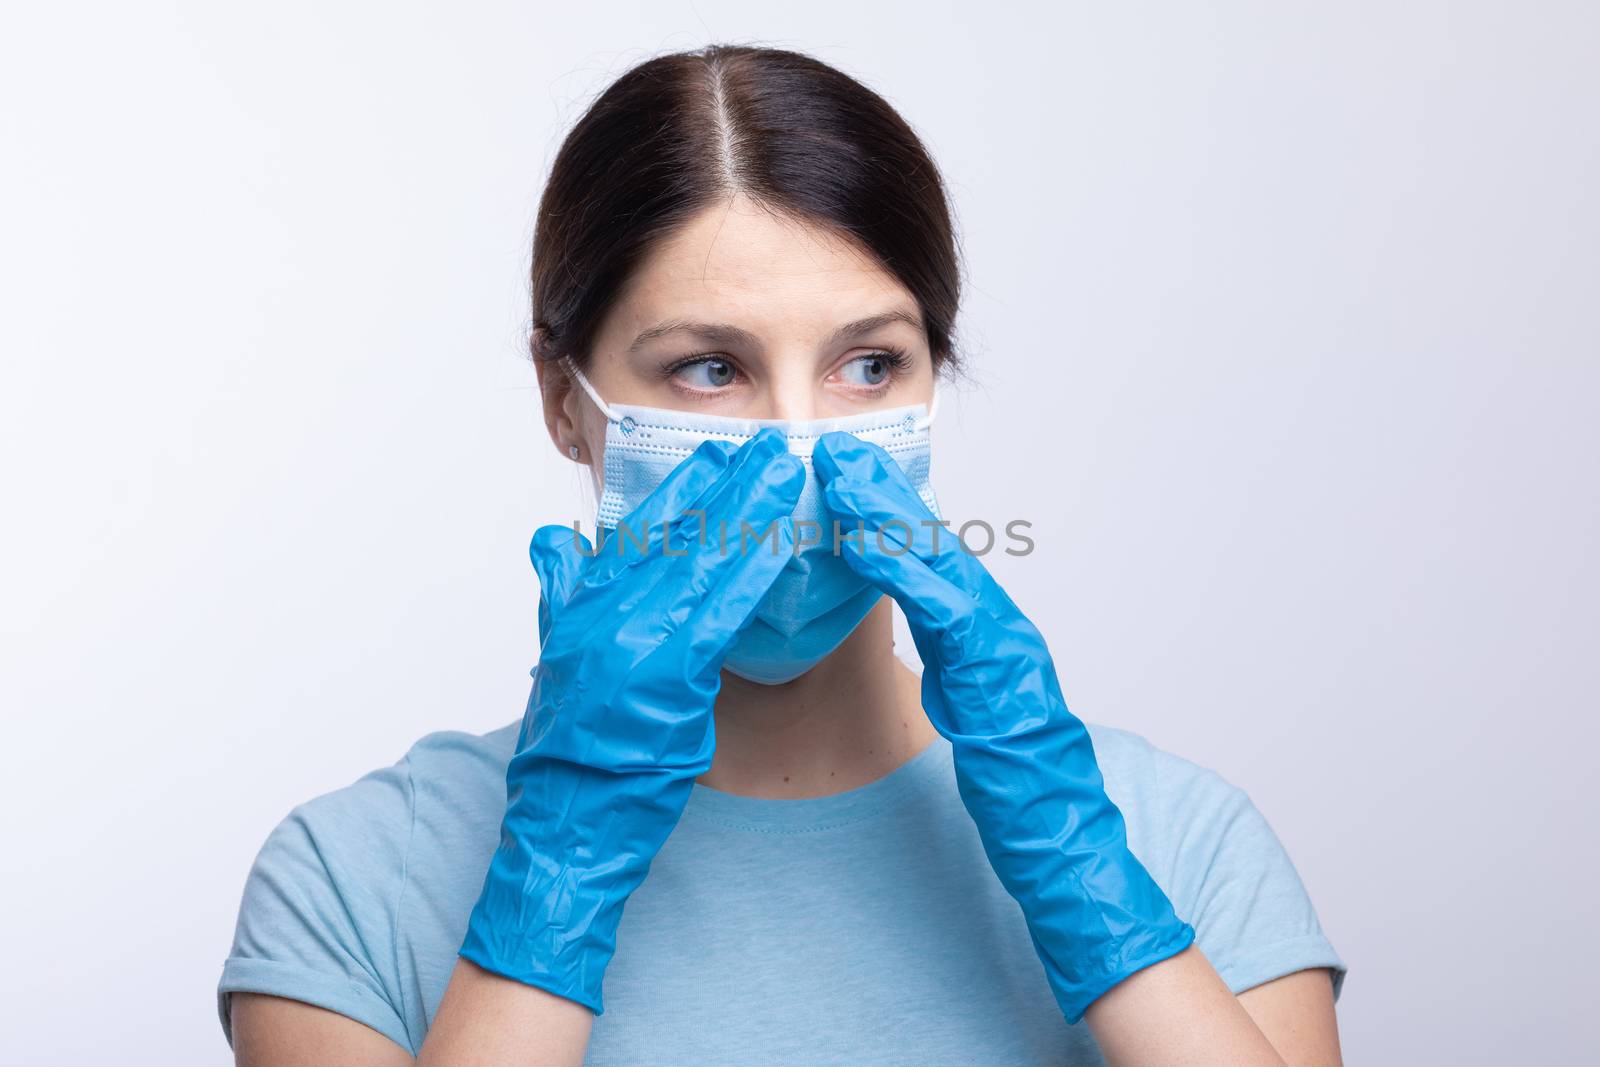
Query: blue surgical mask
x=817 y=600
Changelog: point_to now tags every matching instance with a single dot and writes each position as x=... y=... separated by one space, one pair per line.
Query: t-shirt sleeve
x=1234 y=882
x=317 y=921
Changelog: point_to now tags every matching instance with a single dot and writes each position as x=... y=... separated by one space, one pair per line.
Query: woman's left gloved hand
x=1025 y=765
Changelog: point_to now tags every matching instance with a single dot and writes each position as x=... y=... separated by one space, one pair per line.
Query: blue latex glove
x=1024 y=764
x=619 y=722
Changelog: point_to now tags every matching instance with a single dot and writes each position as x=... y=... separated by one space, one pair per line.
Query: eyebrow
x=725 y=333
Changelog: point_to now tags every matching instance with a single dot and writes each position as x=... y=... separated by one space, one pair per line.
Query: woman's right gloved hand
x=619 y=722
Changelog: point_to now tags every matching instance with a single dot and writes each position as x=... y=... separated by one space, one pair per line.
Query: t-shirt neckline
x=810 y=814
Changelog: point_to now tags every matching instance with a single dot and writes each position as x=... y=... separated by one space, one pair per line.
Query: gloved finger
x=760 y=484
x=881 y=497
x=685 y=483
x=741 y=513
x=682 y=739
x=558 y=553
x=839 y=452
x=679 y=491
x=885 y=553
x=726 y=609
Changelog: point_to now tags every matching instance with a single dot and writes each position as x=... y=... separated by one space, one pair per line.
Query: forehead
x=738 y=259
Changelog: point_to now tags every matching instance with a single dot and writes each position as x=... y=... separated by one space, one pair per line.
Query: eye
x=708 y=374
x=870 y=370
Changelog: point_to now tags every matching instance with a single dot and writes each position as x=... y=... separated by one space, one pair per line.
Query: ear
x=558 y=392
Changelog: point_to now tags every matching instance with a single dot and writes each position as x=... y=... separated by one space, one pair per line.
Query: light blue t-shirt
x=863 y=928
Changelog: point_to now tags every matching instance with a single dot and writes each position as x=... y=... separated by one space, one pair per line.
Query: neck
x=848 y=721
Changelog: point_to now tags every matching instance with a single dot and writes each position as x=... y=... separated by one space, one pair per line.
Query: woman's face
x=747 y=315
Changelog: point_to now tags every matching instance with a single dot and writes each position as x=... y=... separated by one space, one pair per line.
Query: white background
x=1283 y=323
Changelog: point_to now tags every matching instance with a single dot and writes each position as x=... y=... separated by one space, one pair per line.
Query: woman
x=846 y=863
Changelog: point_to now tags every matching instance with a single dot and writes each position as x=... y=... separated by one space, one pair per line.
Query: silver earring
x=572 y=450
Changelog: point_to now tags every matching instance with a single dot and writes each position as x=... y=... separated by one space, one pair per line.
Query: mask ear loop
x=605 y=409
x=933 y=410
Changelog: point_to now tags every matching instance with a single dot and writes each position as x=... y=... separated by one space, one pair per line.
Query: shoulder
x=372 y=819
x=359 y=836
x=457 y=769
x=320 y=907
x=1182 y=818
x=377 y=814
x=1177 y=812
x=1147 y=776
x=1217 y=856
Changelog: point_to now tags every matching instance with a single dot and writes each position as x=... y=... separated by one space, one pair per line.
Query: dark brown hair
x=680 y=132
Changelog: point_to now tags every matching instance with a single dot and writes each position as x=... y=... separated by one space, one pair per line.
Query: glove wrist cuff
x=558 y=937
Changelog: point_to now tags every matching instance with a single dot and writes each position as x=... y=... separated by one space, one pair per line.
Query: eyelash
x=898 y=359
